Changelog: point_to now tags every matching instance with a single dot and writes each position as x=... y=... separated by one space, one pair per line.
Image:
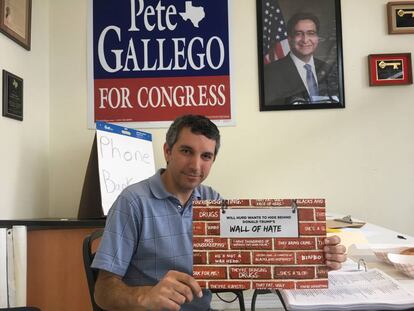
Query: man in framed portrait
x=299 y=77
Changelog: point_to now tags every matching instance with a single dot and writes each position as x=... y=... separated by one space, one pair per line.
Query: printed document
x=359 y=290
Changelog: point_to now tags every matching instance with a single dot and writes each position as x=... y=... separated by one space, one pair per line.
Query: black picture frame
x=12 y=96
x=281 y=87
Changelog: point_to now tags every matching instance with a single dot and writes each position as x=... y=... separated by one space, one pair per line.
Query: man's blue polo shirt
x=148 y=233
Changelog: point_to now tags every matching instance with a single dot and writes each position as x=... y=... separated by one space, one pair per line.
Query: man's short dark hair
x=198 y=124
x=299 y=17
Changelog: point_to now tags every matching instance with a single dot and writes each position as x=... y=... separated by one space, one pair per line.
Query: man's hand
x=174 y=289
x=334 y=252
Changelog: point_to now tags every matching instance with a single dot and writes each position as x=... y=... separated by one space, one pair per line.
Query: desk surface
x=379 y=235
x=54 y=223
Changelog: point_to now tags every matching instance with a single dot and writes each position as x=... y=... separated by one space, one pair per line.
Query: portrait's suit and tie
x=284 y=86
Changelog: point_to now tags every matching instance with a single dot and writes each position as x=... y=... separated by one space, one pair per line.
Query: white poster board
x=125 y=156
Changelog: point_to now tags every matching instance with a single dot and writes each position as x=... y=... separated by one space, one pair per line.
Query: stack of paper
x=359 y=290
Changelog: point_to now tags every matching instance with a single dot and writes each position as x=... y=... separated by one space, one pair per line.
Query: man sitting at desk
x=299 y=77
x=146 y=253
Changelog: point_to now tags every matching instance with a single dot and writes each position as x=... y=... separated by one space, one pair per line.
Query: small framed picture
x=12 y=96
x=400 y=17
x=390 y=69
x=15 y=21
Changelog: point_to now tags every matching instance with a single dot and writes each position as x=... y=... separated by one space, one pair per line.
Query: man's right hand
x=173 y=290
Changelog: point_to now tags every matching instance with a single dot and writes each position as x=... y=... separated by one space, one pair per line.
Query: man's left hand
x=334 y=252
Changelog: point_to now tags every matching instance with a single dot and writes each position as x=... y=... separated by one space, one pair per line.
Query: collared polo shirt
x=148 y=233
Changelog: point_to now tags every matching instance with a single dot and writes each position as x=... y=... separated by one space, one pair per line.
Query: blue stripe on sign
x=116 y=129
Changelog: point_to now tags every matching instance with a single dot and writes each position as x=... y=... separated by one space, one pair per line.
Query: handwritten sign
x=125 y=156
x=267 y=222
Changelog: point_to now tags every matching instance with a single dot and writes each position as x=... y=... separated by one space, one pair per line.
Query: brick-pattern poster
x=261 y=257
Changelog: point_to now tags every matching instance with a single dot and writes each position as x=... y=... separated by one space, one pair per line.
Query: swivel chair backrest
x=91 y=274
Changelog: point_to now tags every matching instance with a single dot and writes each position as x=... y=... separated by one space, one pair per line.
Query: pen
x=401 y=237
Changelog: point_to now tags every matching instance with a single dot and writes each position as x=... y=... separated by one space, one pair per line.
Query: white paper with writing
x=372 y=290
x=125 y=156
x=259 y=222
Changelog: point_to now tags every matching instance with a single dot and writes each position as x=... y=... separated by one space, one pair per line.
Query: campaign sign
x=154 y=60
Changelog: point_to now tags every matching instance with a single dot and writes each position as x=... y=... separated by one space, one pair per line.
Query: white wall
x=70 y=140
x=24 y=147
x=359 y=158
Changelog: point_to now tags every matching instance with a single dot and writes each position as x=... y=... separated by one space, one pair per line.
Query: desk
x=56 y=280
x=374 y=235
x=380 y=235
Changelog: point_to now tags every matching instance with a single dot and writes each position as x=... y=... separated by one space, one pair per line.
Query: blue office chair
x=92 y=274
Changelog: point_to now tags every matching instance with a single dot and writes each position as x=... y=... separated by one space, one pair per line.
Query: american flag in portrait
x=275 y=43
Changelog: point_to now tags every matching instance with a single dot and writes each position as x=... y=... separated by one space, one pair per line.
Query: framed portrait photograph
x=390 y=69
x=400 y=17
x=300 y=54
x=12 y=96
x=15 y=21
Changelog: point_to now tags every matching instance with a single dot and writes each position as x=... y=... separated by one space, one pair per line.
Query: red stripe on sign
x=161 y=99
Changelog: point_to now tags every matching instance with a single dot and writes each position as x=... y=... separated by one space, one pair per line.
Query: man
x=299 y=77
x=145 y=255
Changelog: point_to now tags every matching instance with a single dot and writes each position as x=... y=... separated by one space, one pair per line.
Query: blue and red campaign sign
x=154 y=60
